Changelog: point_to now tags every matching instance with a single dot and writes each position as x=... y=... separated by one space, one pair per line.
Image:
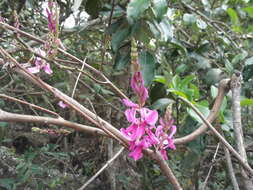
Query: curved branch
x=223 y=89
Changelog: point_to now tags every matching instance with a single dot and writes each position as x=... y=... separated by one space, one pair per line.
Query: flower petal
x=47 y=69
x=136 y=154
x=129 y=103
x=62 y=104
x=33 y=70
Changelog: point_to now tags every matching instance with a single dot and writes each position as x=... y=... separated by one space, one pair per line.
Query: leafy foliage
x=185 y=49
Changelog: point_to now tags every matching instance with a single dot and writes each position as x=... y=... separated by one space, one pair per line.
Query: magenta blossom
x=139 y=133
x=142 y=132
x=137 y=84
x=165 y=138
x=40 y=64
x=51 y=22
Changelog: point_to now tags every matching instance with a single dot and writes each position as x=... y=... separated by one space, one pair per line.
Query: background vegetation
x=185 y=49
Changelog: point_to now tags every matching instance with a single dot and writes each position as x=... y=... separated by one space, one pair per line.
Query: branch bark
x=237 y=126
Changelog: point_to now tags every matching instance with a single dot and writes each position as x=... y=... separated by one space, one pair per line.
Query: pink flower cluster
x=143 y=132
x=40 y=64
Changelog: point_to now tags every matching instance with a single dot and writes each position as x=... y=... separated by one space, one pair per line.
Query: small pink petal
x=173 y=130
x=151 y=116
x=130 y=115
x=129 y=103
x=136 y=154
x=47 y=69
x=164 y=154
x=34 y=70
x=62 y=104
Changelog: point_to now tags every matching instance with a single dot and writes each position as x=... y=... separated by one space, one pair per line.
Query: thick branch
x=6 y=116
x=237 y=126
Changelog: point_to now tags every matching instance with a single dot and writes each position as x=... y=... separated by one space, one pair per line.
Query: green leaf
x=160 y=8
x=214 y=91
x=204 y=110
x=135 y=9
x=229 y=66
x=246 y=102
x=121 y=61
x=148 y=65
x=178 y=45
x=249 y=61
x=175 y=81
x=213 y=76
x=201 y=24
x=178 y=93
x=189 y=18
x=92 y=7
x=186 y=81
x=161 y=103
x=160 y=79
x=223 y=105
x=225 y=127
x=7 y=183
x=196 y=91
x=248 y=10
x=119 y=36
x=239 y=57
x=202 y=62
x=181 y=68
x=166 y=29
x=233 y=16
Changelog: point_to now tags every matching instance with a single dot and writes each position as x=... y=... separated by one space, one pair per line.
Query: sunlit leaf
x=189 y=18
x=204 y=110
x=249 y=10
x=148 y=64
x=161 y=103
x=160 y=8
x=249 y=61
x=214 y=91
x=233 y=16
x=201 y=24
x=135 y=8
x=246 y=102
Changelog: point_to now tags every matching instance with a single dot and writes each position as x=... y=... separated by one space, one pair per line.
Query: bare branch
x=237 y=126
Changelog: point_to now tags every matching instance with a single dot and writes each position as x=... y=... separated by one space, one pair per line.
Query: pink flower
x=62 y=104
x=51 y=21
x=40 y=64
x=142 y=132
x=137 y=84
x=166 y=140
x=139 y=133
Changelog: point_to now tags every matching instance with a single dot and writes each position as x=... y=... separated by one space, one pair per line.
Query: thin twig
x=231 y=169
x=108 y=163
x=210 y=169
x=77 y=79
